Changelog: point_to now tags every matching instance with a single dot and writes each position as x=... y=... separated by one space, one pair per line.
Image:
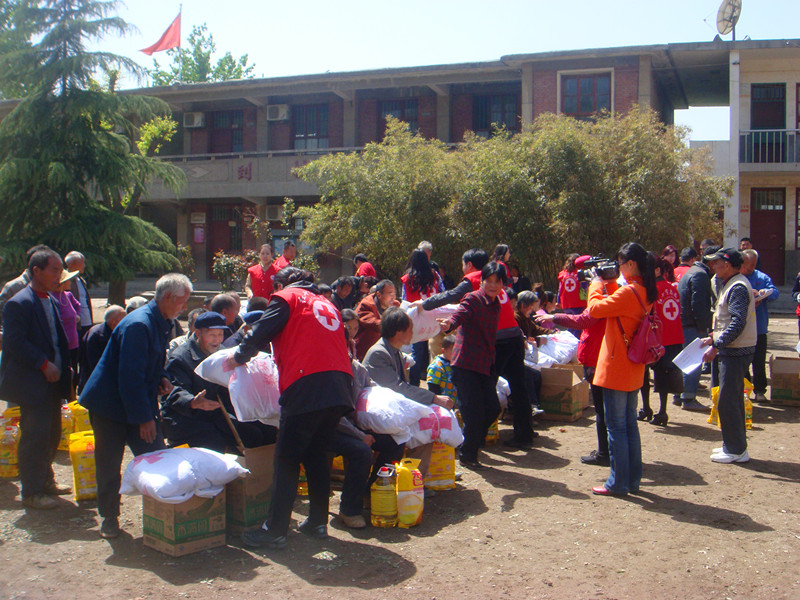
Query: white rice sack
x=561 y=346
x=212 y=468
x=211 y=369
x=254 y=389
x=164 y=475
x=503 y=392
x=450 y=432
x=382 y=410
x=425 y=322
x=425 y=430
x=176 y=474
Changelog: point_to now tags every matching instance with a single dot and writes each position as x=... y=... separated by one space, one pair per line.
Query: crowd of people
x=135 y=371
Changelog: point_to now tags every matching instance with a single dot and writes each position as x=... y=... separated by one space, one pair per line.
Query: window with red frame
x=584 y=95
x=310 y=123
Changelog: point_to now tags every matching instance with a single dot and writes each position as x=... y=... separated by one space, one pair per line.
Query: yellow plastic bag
x=442 y=470
x=713 y=418
x=9 y=442
x=493 y=435
x=410 y=493
x=11 y=415
x=81 y=454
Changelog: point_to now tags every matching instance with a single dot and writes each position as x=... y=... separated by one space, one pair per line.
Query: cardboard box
x=248 y=498
x=784 y=382
x=179 y=529
x=564 y=394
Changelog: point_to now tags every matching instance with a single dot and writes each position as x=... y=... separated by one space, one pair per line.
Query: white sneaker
x=724 y=457
x=537 y=411
x=718 y=450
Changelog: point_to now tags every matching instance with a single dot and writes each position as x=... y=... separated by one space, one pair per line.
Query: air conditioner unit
x=278 y=112
x=274 y=213
x=194 y=119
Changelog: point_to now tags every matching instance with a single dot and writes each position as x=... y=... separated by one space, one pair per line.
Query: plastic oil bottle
x=383 y=499
x=302 y=482
x=9 y=440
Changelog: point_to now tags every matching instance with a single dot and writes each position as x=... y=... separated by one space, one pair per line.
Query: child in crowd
x=440 y=373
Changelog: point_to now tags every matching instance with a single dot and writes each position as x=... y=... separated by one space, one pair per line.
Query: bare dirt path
x=527 y=528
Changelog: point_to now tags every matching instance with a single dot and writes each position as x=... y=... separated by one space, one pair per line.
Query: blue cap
x=252 y=316
x=210 y=320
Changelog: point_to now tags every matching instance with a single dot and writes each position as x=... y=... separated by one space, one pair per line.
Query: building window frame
x=510 y=118
x=311 y=126
x=408 y=109
x=561 y=74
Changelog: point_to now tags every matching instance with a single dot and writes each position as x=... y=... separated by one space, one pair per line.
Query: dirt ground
x=528 y=527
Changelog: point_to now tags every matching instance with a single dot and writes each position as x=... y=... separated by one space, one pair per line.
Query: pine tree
x=71 y=171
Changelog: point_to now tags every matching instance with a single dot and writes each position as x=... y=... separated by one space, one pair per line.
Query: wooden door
x=767 y=229
x=224 y=230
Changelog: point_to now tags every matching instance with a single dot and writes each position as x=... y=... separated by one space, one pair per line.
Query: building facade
x=238 y=141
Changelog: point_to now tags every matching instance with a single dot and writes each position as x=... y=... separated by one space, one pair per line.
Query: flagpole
x=180 y=55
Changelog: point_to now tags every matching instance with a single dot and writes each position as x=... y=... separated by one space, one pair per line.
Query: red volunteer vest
x=506 y=320
x=313 y=339
x=414 y=295
x=261 y=280
x=569 y=290
x=668 y=309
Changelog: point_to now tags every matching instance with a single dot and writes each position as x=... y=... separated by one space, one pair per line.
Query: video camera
x=606 y=268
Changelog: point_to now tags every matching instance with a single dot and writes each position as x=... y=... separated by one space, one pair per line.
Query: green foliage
x=193 y=64
x=385 y=199
x=231 y=269
x=15 y=34
x=71 y=169
x=559 y=186
x=186 y=260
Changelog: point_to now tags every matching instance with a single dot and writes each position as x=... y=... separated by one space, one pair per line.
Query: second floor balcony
x=770 y=149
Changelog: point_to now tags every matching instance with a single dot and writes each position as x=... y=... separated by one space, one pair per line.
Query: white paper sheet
x=690 y=357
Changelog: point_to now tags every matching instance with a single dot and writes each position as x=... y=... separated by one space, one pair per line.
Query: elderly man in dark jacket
x=35 y=373
x=96 y=340
x=122 y=392
x=695 y=292
x=192 y=414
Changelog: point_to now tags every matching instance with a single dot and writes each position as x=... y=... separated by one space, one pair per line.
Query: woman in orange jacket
x=622 y=308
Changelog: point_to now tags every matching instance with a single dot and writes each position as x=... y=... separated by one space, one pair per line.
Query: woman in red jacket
x=667 y=378
x=419 y=283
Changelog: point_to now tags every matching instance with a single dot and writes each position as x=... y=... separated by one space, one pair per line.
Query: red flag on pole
x=170 y=39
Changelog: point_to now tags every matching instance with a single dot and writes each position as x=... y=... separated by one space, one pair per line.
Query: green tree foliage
x=560 y=186
x=75 y=158
x=385 y=199
x=193 y=64
x=15 y=34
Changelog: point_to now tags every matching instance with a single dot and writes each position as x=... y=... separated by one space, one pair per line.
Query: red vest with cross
x=506 y=320
x=569 y=290
x=668 y=309
x=313 y=339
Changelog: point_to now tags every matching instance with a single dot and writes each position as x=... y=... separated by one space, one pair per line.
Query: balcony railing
x=769 y=146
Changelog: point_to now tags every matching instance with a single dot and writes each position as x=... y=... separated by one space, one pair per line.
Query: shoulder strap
x=619 y=323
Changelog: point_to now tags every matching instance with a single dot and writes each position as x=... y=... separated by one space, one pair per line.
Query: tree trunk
x=116 y=292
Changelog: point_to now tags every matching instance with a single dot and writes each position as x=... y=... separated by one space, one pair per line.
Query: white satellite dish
x=727 y=17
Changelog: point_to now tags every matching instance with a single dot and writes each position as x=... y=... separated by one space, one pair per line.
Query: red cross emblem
x=432 y=423
x=671 y=309
x=570 y=284
x=445 y=420
x=326 y=314
x=151 y=458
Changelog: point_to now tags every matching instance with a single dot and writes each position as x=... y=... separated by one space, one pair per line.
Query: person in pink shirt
x=69 y=310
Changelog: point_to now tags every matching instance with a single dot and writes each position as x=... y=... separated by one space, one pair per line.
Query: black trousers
x=303 y=438
x=360 y=472
x=510 y=363
x=600 y=412
x=759 y=379
x=40 y=433
x=110 y=439
x=477 y=394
